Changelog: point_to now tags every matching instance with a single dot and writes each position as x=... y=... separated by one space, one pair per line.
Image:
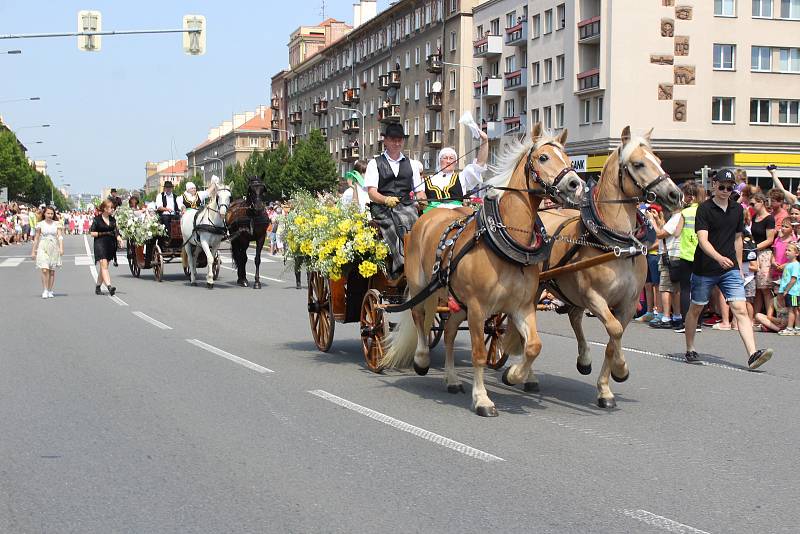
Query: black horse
x=247 y=221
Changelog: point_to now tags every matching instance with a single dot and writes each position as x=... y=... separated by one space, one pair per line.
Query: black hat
x=113 y=189
x=394 y=130
x=725 y=175
x=167 y=184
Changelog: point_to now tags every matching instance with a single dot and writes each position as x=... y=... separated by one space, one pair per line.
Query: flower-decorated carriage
x=345 y=258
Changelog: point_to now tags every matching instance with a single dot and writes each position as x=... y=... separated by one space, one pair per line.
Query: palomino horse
x=610 y=290
x=486 y=277
x=205 y=229
x=247 y=221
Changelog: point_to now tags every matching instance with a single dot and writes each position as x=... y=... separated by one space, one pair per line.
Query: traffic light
x=89 y=21
x=194 y=40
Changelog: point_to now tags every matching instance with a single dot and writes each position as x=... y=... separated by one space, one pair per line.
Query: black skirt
x=105 y=246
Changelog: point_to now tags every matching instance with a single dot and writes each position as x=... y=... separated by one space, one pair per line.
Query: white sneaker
x=50 y=295
x=44 y=294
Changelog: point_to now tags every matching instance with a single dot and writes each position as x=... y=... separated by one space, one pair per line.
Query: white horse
x=205 y=228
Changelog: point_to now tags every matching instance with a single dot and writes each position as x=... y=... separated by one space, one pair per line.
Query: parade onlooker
x=763 y=232
x=48 y=248
x=789 y=291
x=794 y=217
x=104 y=231
x=782 y=240
x=717 y=262
x=778 y=185
x=777 y=206
x=667 y=233
x=651 y=294
x=693 y=194
x=356 y=192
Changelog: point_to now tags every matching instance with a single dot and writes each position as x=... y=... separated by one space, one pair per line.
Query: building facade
x=176 y=171
x=718 y=81
x=232 y=142
x=306 y=41
x=411 y=63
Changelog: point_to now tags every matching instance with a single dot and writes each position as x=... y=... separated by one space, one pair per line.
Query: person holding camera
x=667 y=233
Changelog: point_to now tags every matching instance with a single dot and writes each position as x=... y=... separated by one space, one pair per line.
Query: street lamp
x=20 y=99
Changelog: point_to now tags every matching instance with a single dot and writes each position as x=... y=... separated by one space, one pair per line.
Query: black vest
x=451 y=190
x=389 y=185
x=174 y=199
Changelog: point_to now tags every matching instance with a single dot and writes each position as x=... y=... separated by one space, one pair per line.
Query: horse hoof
x=620 y=379
x=452 y=388
x=242 y=283
x=504 y=378
x=421 y=371
x=209 y=286
x=584 y=369
x=257 y=285
x=531 y=387
x=486 y=411
x=607 y=404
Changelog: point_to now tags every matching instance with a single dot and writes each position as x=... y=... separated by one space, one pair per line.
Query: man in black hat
x=168 y=208
x=393 y=183
x=115 y=198
x=719 y=224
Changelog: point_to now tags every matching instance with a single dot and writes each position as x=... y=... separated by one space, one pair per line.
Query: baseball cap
x=725 y=175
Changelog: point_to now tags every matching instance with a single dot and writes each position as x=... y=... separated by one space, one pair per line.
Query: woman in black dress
x=104 y=232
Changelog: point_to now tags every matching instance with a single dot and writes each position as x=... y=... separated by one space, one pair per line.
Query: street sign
x=4 y=194
x=579 y=162
x=89 y=21
x=194 y=40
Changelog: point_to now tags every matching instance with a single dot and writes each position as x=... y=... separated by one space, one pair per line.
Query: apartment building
x=232 y=142
x=306 y=41
x=717 y=80
x=405 y=64
x=156 y=173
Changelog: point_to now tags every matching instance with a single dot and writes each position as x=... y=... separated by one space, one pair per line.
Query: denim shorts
x=653 y=276
x=730 y=283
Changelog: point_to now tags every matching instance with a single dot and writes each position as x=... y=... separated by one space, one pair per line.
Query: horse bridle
x=650 y=196
x=549 y=190
x=216 y=201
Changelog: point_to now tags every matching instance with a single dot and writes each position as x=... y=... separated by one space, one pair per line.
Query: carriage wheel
x=494 y=329
x=437 y=329
x=158 y=264
x=215 y=265
x=133 y=264
x=373 y=329
x=319 y=311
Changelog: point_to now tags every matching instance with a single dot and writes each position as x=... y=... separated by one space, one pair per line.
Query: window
x=762 y=8
x=548 y=70
x=452 y=80
x=559 y=115
x=254 y=142
x=725 y=8
x=452 y=119
x=494 y=27
x=453 y=6
x=511 y=63
x=453 y=41
x=598 y=105
x=479 y=30
x=535 y=116
x=761 y=59
x=535 y=73
x=586 y=111
x=406 y=90
x=427 y=87
x=548 y=117
x=790 y=60
x=790 y=9
x=789 y=112
x=759 y=111
x=416 y=56
x=416 y=90
x=548 y=21
x=722 y=110
x=561 y=17
x=560 y=67
x=511 y=19
x=724 y=56
x=408 y=59
x=509 y=107
x=536 y=26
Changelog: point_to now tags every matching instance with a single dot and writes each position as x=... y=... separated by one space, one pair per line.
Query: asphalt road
x=177 y=409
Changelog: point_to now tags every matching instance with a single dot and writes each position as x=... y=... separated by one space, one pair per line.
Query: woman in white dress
x=48 y=247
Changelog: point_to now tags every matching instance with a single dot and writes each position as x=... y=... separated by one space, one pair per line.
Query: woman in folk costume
x=191 y=199
x=356 y=192
x=448 y=187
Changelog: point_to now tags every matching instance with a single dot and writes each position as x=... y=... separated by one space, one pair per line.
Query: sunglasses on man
x=724 y=187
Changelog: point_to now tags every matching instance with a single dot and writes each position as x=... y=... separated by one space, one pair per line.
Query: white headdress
x=447 y=151
x=190 y=186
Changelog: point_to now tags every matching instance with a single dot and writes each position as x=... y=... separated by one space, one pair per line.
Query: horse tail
x=401 y=343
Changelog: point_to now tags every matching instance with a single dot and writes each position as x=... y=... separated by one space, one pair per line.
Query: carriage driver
x=393 y=183
x=448 y=183
x=167 y=207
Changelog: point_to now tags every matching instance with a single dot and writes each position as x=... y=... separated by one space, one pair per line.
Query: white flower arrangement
x=138 y=228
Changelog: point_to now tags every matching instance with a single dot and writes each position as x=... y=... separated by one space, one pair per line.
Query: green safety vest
x=688 y=238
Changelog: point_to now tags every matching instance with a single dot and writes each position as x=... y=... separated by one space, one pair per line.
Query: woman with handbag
x=668 y=268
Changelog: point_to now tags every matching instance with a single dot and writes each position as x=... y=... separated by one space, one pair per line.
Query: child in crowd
x=789 y=291
x=784 y=238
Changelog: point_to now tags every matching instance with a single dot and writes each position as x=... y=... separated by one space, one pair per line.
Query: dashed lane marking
x=227 y=355
x=118 y=301
x=12 y=262
x=92 y=268
x=146 y=318
x=661 y=522
x=406 y=427
x=253 y=274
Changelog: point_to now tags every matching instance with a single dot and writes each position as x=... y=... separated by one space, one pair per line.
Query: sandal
x=719 y=326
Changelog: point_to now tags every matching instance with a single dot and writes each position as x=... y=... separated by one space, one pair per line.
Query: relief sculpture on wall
x=679 y=110
x=667 y=27
x=667 y=3
x=681 y=45
x=661 y=59
x=684 y=75
x=683 y=12
x=665 y=91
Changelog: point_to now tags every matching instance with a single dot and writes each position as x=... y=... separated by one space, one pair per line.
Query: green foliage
x=310 y=167
x=22 y=180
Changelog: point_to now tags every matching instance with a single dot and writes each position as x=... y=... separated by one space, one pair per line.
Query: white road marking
x=118 y=300
x=411 y=429
x=661 y=522
x=219 y=352
x=146 y=318
x=83 y=261
x=253 y=274
x=89 y=253
x=12 y=262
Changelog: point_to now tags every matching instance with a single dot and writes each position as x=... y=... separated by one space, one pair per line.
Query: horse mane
x=635 y=142
x=509 y=157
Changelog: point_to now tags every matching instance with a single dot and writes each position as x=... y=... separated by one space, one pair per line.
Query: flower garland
x=138 y=228
x=330 y=238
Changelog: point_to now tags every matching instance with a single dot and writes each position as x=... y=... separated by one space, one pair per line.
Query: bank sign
x=579 y=163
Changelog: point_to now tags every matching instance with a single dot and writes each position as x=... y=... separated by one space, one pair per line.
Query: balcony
x=434 y=101
x=515 y=125
x=517 y=35
x=351 y=96
x=589 y=30
x=383 y=82
x=315 y=109
x=296 y=117
x=434 y=63
x=379 y=146
x=350 y=126
x=516 y=80
x=324 y=132
x=293 y=140
x=589 y=80
x=390 y=113
x=433 y=138
x=323 y=106
x=275 y=103
x=394 y=78
x=350 y=153
x=488 y=88
x=275 y=124
x=493 y=129
x=487 y=46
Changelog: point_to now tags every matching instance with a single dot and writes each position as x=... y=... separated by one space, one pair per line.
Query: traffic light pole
x=88 y=34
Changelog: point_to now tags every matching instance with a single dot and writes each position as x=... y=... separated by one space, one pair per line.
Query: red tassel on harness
x=452 y=305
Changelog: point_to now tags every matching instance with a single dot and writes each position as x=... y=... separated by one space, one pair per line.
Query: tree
x=311 y=166
x=15 y=172
x=274 y=162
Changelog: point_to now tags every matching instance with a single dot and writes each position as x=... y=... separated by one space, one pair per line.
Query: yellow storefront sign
x=595 y=163
x=746 y=159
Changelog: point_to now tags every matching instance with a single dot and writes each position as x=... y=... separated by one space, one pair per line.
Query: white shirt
x=363 y=197
x=371 y=175
x=470 y=178
x=172 y=202
x=673 y=243
x=47 y=229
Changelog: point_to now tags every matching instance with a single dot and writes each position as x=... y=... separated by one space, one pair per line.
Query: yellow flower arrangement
x=367 y=269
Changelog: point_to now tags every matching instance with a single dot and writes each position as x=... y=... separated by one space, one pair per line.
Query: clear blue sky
x=140 y=98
